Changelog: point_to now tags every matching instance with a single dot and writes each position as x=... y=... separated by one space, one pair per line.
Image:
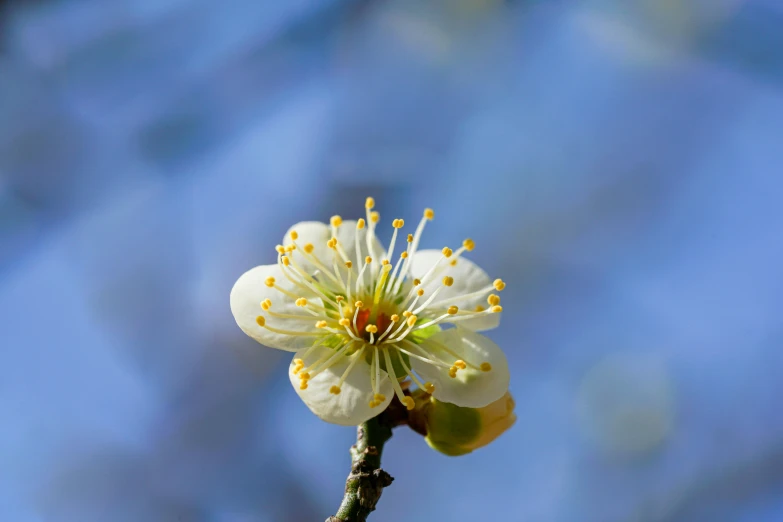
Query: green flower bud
x=454 y=430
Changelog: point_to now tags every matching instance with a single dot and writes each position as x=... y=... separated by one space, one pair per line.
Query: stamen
x=386 y=269
x=485 y=367
x=408 y=371
x=426 y=359
x=396 y=224
x=394 y=318
x=356 y=357
x=499 y=284
x=407 y=401
x=261 y=321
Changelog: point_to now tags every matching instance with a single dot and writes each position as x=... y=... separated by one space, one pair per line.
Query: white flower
x=361 y=322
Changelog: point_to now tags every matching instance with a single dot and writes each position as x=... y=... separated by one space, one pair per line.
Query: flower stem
x=366 y=481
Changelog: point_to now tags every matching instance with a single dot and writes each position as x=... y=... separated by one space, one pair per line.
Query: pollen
x=309 y=248
x=269 y=281
x=371 y=328
x=407 y=313
x=290 y=248
x=448 y=281
x=480 y=308
x=408 y=402
x=485 y=367
x=460 y=364
x=321 y=324
x=266 y=304
x=469 y=244
x=412 y=320
x=339 y=298
x=345 y=321
x=280 y=249
x=335 y=390
x=303 y=385
x=294 y=235
x=369 y=203
x=416 y=282
x=429 y=214
x=348 y=264
x=304 y=376
x=368 y=260
x=385 y=262
x=404 y=255
x=286 y=261
x=493 y=299
x=261 y=320
x=332 y=243
x=374 y=216
x=394 y=318
x=379 y=397
x=453 y=372
x=359 y=304
x=410 y=238
x=453 y=262
x=336 y=221
x=398 y=223
x=301 y=302
x=429 y=387
x=497 y=308
x=447 y=251
x=452 y=310
x=499 y=284
x=360 y=224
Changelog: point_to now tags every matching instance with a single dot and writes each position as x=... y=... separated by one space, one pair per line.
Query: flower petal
x=468 y=278
x=471 y=387
x=351 y=406
x=318 y=234
x=246 y=297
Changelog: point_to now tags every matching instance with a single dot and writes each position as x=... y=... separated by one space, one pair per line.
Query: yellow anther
x=304 y=376
x=452 y=372
x=345 y=321
x=448 y=281
x=280 y=249
x=374 y=216
x=336 y=221
x=359 y=304
x=497 y=308
x=407 y=313
x=339 y=298
x=412 y=320
x=398 y=223
x=335 y=390
x=420 y=292
x=368 y=260
x=348 y=264
x=408 y=402
x=493 y=299
x=301 y=302
x=294 y=235
x=387 y=267
x=429 y=387
x=303 y=385
x=453 y=262
x=260 y=320
x=499 y=284
x=290 y=248
x=298 y=362
x=404 y=255
x=452 y=310
x=379 y=397
x=360 y=224
x=429 y=214
x=460 y=364
x=309 y=248
x=369 y=203
x=447 y=251
x=265 y=304
x=395 y=318
x=485 y=367
x=320 y=324
x=469 y=244
x=373 y=404
x=410 y=238
x=269 y=281
x=332 y=243
x=385 y=262
x=371 y=328
x=286 y=260
x=416 y=282
x=480 y=308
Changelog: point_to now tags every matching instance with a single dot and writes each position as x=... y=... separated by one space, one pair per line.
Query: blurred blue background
x=618 y=163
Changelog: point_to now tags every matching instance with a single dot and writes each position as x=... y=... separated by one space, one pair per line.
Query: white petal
x=246 y=297
x=351 y=406
x=319 y=233
x=471 y=388
x=468 y=278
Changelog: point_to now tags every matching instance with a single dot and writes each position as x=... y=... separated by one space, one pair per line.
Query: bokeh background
x=618 y=162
